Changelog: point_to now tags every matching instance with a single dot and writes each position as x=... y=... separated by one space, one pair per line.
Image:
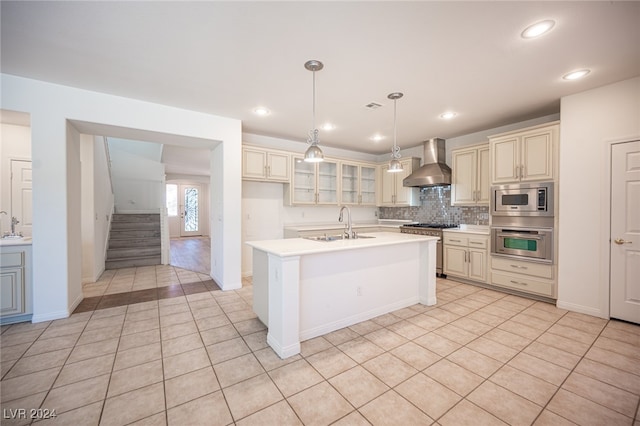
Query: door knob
x=620 y=241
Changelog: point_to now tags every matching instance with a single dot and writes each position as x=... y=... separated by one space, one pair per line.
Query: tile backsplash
x=435 y=207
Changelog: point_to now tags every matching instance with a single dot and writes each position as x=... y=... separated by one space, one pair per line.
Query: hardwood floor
x=192 y=253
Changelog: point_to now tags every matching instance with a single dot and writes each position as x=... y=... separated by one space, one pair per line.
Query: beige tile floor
x=115 y=281
x=477 y=357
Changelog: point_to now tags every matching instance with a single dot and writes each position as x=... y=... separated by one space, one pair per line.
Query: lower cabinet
x=528 y=277
x=465 y=255
x=15 y=283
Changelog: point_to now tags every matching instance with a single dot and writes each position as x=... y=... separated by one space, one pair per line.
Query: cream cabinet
x=526 y=155
x=313 y=183
x=15 y=283
x=470 y=176
x=392 y=192
x=357 y=184
x=465 y=255
x=527 y=277
x=265 y=165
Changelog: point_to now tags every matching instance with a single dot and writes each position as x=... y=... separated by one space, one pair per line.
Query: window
x=172 y=199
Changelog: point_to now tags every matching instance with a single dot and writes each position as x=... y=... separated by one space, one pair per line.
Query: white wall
x=137 y=176
x=590 y=121
x=15 y=144
x=97 y=205
x=55 y=110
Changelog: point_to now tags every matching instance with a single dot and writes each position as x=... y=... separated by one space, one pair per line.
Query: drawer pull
x=519 y=267
x=455 y=241
x=518 y=283
x=475 y=242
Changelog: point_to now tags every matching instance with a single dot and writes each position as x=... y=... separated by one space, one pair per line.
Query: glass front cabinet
x=358 y=184
x=313 y=183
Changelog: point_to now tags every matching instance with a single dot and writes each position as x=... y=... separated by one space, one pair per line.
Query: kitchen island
x=304 y=288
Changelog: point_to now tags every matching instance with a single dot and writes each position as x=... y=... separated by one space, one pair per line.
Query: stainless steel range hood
x=434 y=171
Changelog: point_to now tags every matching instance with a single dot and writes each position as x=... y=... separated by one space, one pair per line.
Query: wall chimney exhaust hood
x=434 y=171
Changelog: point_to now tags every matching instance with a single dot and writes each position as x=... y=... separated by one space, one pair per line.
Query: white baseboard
x=50 y=316
x=587 y=310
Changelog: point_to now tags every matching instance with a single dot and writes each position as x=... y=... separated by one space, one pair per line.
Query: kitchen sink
x=334 y=237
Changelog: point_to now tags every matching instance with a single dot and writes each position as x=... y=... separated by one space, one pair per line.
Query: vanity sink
x=12 y=237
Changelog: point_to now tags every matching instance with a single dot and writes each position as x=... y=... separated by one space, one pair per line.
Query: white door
x=21 y=204
x=625 y=231
x=190 y=210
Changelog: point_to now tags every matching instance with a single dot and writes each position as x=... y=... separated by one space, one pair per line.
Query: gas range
x=432 y=229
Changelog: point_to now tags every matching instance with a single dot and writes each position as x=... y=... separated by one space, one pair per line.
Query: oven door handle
x=519 y=235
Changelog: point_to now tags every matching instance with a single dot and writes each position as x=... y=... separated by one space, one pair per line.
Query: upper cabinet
x=526 y=155
x=392 y=192
x=358 y=184
x=313 y=183
x=265 y=165
x=470 y=176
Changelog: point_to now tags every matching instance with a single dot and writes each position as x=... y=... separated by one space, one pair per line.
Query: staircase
x=134 y=240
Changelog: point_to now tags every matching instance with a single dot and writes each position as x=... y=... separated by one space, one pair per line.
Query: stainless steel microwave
x=524 y=199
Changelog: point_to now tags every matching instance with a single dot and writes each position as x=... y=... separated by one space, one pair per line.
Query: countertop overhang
x=301 y=246
x=470 y=229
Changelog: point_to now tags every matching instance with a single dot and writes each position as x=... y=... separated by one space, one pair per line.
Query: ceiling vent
x=372 y=105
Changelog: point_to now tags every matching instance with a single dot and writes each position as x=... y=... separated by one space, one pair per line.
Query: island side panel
x=284 y=305
x=343 y=288
x=261 y=285
x=428 y=272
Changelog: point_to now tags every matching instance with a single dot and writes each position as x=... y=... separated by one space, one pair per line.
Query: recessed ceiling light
x=574 y=75
x=328 y=126
x=537 y=29
x=377 y=137
x=448 y=115
x=262 y=111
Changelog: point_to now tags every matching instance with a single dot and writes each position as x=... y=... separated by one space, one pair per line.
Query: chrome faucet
x=14 y=222
x=348 y=232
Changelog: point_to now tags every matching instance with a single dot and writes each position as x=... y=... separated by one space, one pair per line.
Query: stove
x=432 y=230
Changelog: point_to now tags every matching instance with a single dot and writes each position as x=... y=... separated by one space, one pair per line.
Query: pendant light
x=313 y=153
x=394 y=164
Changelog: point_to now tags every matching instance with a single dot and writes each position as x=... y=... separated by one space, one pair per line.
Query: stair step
x=119 y=217
x=135 y=225
x=131 y=242
x=122 y=253
x=128 y=234
x=132 y=262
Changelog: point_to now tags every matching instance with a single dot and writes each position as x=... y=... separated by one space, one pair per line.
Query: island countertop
x=302 y=246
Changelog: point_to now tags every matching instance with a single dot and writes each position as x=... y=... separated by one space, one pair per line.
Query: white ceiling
x=226 y=58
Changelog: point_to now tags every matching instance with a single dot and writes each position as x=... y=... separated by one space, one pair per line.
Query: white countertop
x=391 y=223
x=301 y=246
x=26 y=241
x=470 y=229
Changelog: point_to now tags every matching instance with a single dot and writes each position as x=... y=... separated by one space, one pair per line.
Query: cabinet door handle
x=522 y=171
x=518 y=283
x=517 y=172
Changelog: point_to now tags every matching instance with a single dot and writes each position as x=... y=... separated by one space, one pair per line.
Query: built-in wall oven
x=527 y=243
x=522 y=221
